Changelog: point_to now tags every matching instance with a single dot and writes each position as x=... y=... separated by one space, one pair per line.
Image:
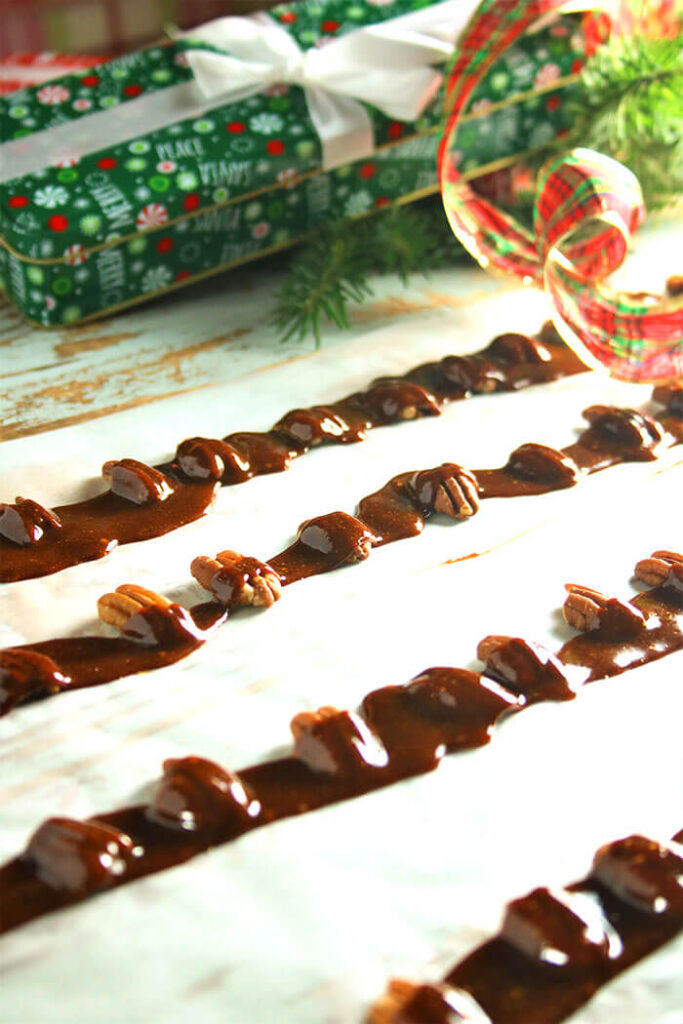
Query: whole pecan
x=663 y=568
x=633 y=434
x=235 y=579
x=473 y=374
x=136 y=482
x=538 y=462
x=588 y=610
x=312 y=426
x=449 y=489
x=148 y=618
x=79 y=856
x=115 y=609
x=25 y=673
x=513 y=349
x=525 y=668
x=197 y=795
x=26 y=522
x=207 y=458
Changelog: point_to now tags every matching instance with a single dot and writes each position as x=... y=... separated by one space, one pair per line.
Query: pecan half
x=513 y=349
x=26 y=673
x=128 y=599
x=136 y=482
x=671 y=397
x=337 y=537
x=407 y=1003
x=525 y=668
x=663 y=568
x=389 y=399
x=449 y=489
x=312 y=426
x=206 y=458
x=473 y=374
x=25 y=522
x=635 y=435
x=336 y=742
x=538 y=462
x=559 y=929
x=588 y=610
x=79 y=856
x=235 y=579
x=197 y=795
x=644 y=873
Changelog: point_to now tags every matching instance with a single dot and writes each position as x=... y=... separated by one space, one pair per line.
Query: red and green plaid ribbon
x=637 y=337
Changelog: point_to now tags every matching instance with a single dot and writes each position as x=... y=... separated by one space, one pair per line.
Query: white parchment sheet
x=305 y=921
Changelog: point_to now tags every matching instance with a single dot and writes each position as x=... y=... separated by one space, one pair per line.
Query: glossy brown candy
x=556 y=949
x=526 y=668
x=336 y=743
x=196 y=795
x=646 y=874
x=24 y=674
x=78 y=857
x=323 y=544
x=147 y=501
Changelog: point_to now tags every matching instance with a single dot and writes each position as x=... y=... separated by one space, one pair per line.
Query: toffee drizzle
x=148 y=501
x=159 y=636
x=556 y=949
x=400 y=731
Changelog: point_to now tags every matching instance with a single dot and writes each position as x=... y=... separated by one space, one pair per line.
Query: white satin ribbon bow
x=387 y=65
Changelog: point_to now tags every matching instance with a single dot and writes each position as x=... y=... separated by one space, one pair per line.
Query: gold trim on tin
x=421 y=193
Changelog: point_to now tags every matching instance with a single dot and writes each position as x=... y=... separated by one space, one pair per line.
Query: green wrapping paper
x=133 y=220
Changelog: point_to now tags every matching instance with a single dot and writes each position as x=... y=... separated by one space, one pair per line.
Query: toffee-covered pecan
x=644 y=873
x=337 y=537
x=235 y=579
x=449 y=489
x=588 y=610
x=663 y=568
x=473 y=374
x=309 y=427
x=207 y=458
x=79 y=856
x=525 y=667
x=26 y=522
x=633 y=434
x=25 y=673
x=538 y=462
x=197 y=795
x=560 y=929
x=336 y=742
x=671 y=397
x=147 y=618
x=391 y=399
x=136 y=482
x=513 y=349
x=407 y=1003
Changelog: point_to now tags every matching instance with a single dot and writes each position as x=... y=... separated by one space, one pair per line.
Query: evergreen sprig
x=629 y=106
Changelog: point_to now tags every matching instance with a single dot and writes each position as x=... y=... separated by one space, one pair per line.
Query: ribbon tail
x=344 y=126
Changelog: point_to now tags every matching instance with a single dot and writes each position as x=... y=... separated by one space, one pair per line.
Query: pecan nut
x=337 y=538
x=663 y=568
x=473 y=374
x=544 y=465
x=79 y=856
x=136 y=482
x=407 y=1003
x=449 y=489
x=588 y=610
x=559 y=929
x=25 y=673
x=633 y=434
x=644 y=873
x=206 y=458
x=236 y=580
x=513 y=349
x=525 y=668
x=390 y=399
x=310 y=427
x=336 y=742
x=25 y=522
x=129 y=599
x=197 y=795
x=671 y=397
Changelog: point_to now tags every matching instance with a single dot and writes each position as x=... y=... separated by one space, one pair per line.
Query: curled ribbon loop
x=586 y=207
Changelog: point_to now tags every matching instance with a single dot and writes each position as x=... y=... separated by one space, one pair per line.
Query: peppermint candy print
x=51 y=196
x=75 y=254
x=52 y=95
x=151 y=216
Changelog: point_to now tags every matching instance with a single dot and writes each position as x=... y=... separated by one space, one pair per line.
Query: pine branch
x=631 y=107
x=333 y=268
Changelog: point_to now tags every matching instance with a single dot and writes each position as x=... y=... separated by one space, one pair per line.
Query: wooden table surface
x=218 y=330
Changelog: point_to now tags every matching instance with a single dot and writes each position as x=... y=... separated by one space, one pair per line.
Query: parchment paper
x=306 y=921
